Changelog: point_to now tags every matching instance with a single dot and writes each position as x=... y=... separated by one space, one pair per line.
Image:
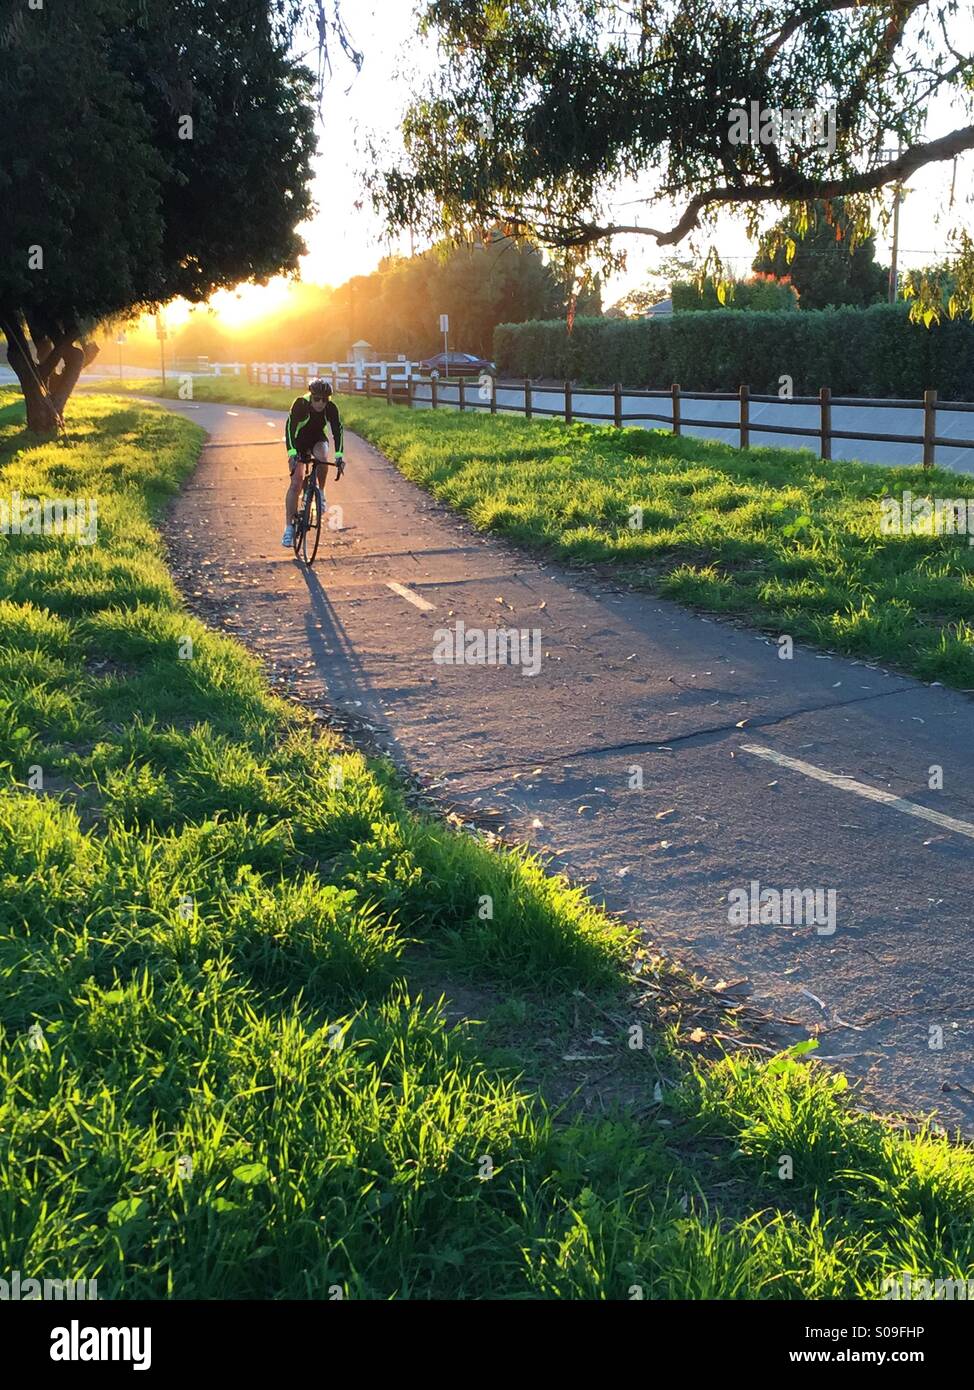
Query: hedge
x=856 y=352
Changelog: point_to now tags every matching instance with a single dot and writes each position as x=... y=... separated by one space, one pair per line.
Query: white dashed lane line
x=410 y=597
x=849 y=784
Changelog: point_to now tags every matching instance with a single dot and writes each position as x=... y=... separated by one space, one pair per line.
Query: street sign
x=444 y=323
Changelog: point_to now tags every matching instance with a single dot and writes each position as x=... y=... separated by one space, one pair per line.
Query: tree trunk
x=46 y=390
x=61 y=386
x=42 y=415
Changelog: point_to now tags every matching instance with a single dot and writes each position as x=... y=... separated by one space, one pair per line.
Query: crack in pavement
x=698 y=737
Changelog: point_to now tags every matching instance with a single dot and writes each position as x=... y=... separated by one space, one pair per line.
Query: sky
x=345 y=238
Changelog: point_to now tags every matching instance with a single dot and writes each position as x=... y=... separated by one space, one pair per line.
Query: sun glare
x=243 y=305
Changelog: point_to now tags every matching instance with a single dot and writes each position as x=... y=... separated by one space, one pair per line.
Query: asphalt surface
x=667 y=760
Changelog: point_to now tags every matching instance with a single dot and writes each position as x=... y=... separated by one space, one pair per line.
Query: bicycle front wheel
x=311 y=531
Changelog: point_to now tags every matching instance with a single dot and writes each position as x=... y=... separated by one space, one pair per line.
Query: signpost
x=162 y=335
x=120 y=339
x=445 y=330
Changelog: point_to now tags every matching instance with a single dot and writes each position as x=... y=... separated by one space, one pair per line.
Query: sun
x=243 y=305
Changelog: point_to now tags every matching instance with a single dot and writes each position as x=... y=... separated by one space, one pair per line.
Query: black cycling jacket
x=306 y=427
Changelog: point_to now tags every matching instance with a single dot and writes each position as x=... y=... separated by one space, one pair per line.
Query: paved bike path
x=804 y=774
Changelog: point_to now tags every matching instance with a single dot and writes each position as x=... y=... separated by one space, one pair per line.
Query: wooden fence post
x=527 y=399
x=388 y=388
x=493 y=395
x=675 y=396
x=461 y=395
x=409 y=390
x=929 y=426
x=745 y=417
x=825 y=406
x=617 y=405
x=568 y=402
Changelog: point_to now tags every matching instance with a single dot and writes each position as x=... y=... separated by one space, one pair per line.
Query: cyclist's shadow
x=339 y=665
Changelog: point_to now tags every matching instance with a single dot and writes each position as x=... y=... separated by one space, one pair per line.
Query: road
x=752 y=768
x=868 y=419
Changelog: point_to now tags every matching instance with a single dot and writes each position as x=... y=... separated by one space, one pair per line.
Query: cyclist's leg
x=320 y=453
x=294 y=490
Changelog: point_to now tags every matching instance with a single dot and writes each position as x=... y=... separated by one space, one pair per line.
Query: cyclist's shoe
x=288 y=537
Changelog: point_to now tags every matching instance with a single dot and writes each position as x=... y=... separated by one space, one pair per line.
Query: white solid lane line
x=410 y=597
x=849 y=784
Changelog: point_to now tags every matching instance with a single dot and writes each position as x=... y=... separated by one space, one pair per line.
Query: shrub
x=868 y=352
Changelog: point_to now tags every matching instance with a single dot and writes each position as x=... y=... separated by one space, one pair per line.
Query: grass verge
x=220 y=1075
x=775 y=537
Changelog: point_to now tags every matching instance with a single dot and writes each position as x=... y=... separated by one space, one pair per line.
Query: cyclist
x=305 y=437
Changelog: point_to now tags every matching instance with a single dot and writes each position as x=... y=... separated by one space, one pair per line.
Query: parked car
x=457 y=364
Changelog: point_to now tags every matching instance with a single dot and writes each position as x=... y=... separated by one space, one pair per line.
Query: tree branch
x=790 y=188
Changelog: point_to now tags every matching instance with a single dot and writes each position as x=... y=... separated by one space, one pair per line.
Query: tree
x=825 y=260
x=760 y=292
x=479 y=284
x=148 y=149
x=540 y=107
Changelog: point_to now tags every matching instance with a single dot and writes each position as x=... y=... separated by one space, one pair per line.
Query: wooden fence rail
x=402 y=390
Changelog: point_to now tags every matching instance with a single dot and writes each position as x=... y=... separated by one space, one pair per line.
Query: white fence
x=300 y=373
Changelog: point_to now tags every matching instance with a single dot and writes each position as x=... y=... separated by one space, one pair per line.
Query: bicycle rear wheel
x=311 y=531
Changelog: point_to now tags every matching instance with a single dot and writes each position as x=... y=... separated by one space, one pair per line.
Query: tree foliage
x=479 y=285
x=825 y=259
x=540 y=108
x=762 y=293
x=148 y=149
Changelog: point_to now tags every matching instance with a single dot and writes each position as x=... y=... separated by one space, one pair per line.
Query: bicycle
x=307 y=522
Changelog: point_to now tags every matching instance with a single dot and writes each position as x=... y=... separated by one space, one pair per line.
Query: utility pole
x=897 y=196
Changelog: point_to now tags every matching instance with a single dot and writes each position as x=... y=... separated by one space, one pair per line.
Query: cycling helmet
x=319 y=389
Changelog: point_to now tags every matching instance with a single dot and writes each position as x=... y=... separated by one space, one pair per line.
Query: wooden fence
x=402 y=390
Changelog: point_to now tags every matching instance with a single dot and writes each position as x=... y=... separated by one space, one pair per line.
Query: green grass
x=774 y=537
x=223 y=939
